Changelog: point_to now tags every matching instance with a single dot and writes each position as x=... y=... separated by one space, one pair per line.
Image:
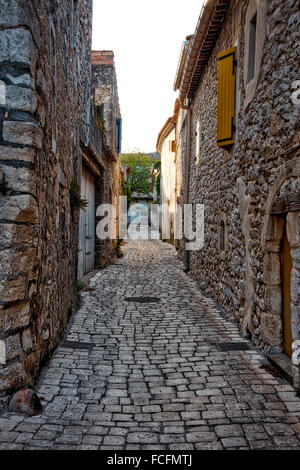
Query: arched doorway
x=280 y=320
x=286 y=270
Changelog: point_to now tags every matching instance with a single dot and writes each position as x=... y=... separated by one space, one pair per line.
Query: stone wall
x=105 y=91
x=45 y=72
x=234 y=185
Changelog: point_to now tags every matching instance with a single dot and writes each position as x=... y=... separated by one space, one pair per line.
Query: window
x=119 y=135
x=252 y=48
x=226 y=97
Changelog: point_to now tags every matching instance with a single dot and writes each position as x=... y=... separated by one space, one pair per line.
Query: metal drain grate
x=233 y=346
x=77 y=345
x=143 y=300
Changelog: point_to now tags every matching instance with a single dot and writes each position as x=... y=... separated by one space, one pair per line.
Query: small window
x=119 y=135
x=252 y=48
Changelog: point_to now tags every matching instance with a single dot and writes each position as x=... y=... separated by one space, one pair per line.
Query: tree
x=140 y=177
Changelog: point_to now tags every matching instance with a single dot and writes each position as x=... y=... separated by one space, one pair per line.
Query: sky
x=146 y=37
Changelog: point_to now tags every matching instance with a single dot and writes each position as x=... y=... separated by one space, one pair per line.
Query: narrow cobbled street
x=139 y=375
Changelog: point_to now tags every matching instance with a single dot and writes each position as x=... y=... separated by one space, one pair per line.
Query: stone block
x=272 y=269
x=27 y=343
x=21 y=208
x=273 y=300
x=295 y=316
x=22 y=99
x=13 y=290
x=15 y=317
x=13 y=347
x=295 y=254
x=4 y=52
x=274 y=229
x=20 y=13
x=25 y=133
x=271 y=329
x=15 y=261
x=17 y=46
x=18 y=154
x=20 y=179
x=293 y=229
x=21 y=80
x=25 y=402
x=295 y=286
x=12 y=236
x=2 y=93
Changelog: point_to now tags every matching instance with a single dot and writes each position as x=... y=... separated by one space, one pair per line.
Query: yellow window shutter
x=226 y=97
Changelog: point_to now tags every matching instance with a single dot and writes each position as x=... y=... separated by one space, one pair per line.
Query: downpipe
x=187 y=185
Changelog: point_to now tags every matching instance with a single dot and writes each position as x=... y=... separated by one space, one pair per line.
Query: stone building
x=166 y=147
x=106 y=101
x=237 y=145
x=48 y=138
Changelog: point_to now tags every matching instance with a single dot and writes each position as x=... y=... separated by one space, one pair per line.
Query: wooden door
x=86 y=249
x=90 y=224
x=286 y=269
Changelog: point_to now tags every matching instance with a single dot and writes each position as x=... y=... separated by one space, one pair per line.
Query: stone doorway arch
x=282 y=213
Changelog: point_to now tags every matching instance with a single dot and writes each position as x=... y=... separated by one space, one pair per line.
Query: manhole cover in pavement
x=233 y=346
x=76 y=345
x=142 y=300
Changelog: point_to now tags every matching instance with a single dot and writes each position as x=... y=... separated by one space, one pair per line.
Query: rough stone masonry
x=45 y=73
x=242 y=186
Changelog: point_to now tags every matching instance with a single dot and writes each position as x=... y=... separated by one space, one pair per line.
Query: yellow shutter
x=226 y=97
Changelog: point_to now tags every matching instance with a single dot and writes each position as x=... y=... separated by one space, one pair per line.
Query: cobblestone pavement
x=153 y=377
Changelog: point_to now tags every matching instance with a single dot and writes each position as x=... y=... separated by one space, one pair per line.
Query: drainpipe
x=187 y=178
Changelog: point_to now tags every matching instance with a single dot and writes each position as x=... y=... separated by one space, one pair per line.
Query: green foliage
x=157 y=185
x=126 y=191
x=99 y=118
x=4 y=187
x=140 y=177
x=75 y=198
x=157 y=166
x=78 y=285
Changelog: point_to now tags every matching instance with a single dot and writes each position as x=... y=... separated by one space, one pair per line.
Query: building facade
x=105 y=100
x=166 y=147
x=49 y=139
x=238 y=152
